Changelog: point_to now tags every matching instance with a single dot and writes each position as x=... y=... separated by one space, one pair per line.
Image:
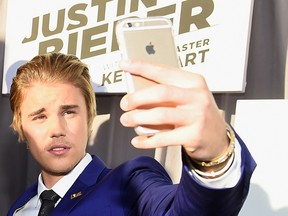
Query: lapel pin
x=75 y=195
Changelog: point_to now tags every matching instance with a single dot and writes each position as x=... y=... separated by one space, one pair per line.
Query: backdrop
x=265 y=80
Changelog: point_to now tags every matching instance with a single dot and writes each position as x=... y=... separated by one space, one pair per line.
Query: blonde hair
x=49 y=68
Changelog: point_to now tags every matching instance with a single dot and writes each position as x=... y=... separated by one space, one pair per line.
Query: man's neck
x=50 y=180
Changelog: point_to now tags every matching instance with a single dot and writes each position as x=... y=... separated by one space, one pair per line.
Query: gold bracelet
x=214 y=174
x=225 y=157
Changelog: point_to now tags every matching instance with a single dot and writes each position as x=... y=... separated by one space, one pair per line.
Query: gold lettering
x=118 y=76
x=162 y=11
x=106 y=78
x=73 y=15
x=190 y=57
x=72 y=45
x=114 y=45
x=121 y=7
x=206 y=42
x=199 y=20
x=34 y=33
x=59 y=27
x=203 y=54
x=135 y=4
x=194 y=58
x=88 y=42
x=56 y=44
x=101 y=8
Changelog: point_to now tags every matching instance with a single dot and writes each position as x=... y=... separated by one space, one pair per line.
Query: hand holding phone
x=150 y=39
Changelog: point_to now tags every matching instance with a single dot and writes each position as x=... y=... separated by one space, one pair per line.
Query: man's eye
x=69 y=112
x=39 y=117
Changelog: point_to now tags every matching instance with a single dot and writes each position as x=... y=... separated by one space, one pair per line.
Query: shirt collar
x=63 y=185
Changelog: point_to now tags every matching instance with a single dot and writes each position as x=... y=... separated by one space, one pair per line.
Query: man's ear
x=22 y=136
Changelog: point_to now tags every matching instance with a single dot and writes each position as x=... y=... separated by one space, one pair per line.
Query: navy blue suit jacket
x=142 y=187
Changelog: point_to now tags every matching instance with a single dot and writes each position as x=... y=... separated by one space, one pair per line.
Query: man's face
x=54 y=123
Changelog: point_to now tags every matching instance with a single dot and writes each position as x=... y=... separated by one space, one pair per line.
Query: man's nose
x=57 y=126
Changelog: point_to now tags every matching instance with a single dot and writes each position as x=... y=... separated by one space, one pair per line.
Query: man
x=54 y=105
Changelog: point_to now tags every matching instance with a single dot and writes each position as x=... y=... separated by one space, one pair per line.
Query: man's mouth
x=59 y=150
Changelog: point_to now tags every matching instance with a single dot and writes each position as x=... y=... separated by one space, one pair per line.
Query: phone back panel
x=151 y=41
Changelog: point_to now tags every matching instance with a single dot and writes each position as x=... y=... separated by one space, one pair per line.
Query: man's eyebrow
x=63 y=107
x=37 y=112
x=66 y=107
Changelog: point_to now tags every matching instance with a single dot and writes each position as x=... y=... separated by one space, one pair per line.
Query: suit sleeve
x=193 y=198
x=152 y=192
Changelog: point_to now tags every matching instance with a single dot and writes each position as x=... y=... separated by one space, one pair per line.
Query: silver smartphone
x=150 y=39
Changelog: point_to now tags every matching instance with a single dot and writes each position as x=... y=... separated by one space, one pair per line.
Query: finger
x=161 y=95
x=174 y=137
x=193 y=138
x=163 y=74
x=158 y=116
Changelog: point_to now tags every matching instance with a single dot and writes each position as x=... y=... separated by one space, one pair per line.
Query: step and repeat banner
x=212 y=37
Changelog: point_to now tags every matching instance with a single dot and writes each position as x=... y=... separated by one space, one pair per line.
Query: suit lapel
x=29 y=193
x=81 y=187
